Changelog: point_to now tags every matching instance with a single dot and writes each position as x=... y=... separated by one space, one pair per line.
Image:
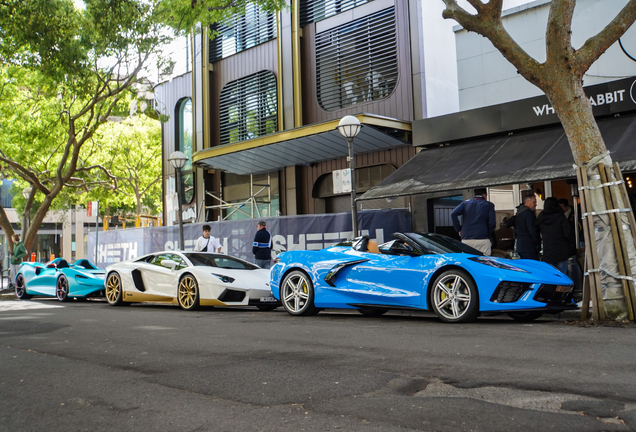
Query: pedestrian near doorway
x=526 y=230
x=19 y=251
x=555 y=234
x=207 y=243
x=478 y=221
x=262 y=248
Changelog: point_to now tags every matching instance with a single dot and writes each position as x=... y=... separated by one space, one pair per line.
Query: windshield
x=441 y=244
x=222 y=261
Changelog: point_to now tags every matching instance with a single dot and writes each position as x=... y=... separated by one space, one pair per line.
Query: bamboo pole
x=596 y=292
x=621 y=190
x=618 y=238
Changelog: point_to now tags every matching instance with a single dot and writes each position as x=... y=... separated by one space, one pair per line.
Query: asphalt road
x=87 y=366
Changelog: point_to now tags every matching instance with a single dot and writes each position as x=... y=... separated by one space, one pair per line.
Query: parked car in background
x=58 y=278
x=189 y=279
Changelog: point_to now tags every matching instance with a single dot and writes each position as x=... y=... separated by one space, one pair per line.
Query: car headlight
x=224 y=279
x=494 y=263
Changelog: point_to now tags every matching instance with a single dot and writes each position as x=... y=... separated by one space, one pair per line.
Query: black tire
x=20 y=288
x=266 y=308
x=373 y=312
x=188 y=293
x=525 y=316
x=61 y=289
x=297 y=294
x=454 y=297
x=114 y=290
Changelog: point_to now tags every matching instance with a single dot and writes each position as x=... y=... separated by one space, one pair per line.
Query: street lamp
x=349 y=127
x=178 y=160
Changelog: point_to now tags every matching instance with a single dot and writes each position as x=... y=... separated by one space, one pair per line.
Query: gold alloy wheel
x=188 y=293
x=113 y=289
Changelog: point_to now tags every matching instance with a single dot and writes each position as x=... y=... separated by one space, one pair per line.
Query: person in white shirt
x=207 y=243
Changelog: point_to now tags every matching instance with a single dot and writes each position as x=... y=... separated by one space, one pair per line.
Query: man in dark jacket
x=526 y=230
x=478 y=221
x=262 y=248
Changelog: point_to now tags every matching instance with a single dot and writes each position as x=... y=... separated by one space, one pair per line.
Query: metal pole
x=179 y=210
x=96 y=231
x=354 y=210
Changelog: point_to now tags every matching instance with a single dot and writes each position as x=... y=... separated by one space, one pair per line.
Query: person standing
x=262 y=248
x=526 y=230
x=19 y=251
x=556 y=235
x=478 y=221
x=207 y=243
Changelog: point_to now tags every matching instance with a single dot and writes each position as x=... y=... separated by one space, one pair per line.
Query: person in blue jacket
x=478 y=221
x=262 y=248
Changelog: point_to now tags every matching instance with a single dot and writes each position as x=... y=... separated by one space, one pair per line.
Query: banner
x=307 y=232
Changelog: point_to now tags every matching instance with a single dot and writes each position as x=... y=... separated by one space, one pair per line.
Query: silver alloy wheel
x=452 y=296
x=295 y=292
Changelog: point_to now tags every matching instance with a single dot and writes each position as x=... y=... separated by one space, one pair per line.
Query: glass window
x=222 y=261
x=248 y=108
x=357 y=62
x=242 y=32
x=185 y=144
x=316 y=10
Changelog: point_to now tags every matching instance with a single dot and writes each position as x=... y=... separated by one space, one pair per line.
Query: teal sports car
x=58 y=278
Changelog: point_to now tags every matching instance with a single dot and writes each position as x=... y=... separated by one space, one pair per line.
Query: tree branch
x=595 y=46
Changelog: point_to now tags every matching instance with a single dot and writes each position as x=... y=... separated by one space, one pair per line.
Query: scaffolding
x=251 y=203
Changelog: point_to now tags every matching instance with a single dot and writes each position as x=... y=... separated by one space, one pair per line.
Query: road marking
x=20 y=305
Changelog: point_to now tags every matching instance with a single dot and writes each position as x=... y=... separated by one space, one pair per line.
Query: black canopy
x=521 y=157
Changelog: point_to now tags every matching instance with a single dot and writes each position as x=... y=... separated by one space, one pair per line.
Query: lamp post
x=178 y=160
x=349 y=127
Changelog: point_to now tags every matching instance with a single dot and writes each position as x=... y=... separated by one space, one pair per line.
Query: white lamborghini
x=189 y=279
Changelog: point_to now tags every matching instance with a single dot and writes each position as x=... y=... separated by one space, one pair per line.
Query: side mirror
x=52 y=265
x=169 y=264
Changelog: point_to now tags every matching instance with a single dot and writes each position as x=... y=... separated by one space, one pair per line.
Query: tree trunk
x=588 y=149
x=5 y=225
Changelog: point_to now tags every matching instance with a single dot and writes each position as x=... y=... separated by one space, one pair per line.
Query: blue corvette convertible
x=60 y=279
x=418 y=271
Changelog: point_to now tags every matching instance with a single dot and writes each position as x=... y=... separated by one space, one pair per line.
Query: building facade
x=257 y=114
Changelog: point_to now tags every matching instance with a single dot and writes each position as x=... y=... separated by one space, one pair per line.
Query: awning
x=303 y=145
x=519 y=158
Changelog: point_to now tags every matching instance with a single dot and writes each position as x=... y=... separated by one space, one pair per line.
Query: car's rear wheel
x=373 y=312
x=61 y=289
x=525 y=316
x=297 y=294
x=114 y=290
x=20 y=288
x=454 y=297
x=188 y=293
x=266 y=308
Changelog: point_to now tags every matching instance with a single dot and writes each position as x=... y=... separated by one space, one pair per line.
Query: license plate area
x=268 y=299
x=564 y=288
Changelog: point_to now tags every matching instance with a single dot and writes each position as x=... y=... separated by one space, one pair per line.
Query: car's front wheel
x=297 y=294
x=188 y=293
x=114 y=290
x=454 y=297
x=61 y=289
x=20 y=288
